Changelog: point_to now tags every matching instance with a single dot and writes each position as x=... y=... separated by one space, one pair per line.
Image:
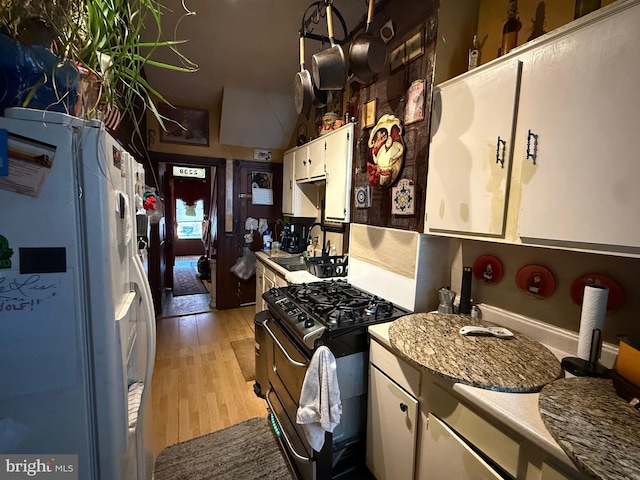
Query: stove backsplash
x=407 y=268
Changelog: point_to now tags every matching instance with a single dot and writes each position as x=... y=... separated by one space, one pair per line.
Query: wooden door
x=231 y=291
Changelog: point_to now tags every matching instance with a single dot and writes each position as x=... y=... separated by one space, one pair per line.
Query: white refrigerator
x=77 y=324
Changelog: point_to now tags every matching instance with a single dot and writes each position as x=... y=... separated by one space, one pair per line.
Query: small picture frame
x=185 y=125
x=414 y=47
x=408 y=51
x=414 y=108
x=369 y=113
x=396 y=58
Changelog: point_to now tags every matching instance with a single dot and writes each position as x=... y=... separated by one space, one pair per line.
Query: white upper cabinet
x=298 y=200
x=470 y=153
x=580 y=99
x=338 y=160
x=572 y=180
x=310 y=161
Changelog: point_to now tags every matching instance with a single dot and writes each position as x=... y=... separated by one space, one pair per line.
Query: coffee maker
x=294 y=238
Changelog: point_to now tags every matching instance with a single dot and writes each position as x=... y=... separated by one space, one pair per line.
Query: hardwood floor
x=197 y=384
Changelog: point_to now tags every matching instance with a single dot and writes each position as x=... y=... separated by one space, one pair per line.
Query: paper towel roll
x=594 y=310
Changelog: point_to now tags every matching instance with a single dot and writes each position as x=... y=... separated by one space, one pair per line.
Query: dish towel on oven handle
x=320 y=407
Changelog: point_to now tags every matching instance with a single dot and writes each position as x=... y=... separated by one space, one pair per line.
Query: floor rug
x=245 y=351
x=185 y=305
x=186 y=282
x=246 y=451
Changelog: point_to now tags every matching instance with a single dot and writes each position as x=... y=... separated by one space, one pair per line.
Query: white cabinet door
x=448 y=457
x=298 y=200
x=316 y=159
x=470 y=152
x=301 y=164
x=288 y=182
x=391 y=429
x=339 y=155
x=309 y=162
x=580 y=96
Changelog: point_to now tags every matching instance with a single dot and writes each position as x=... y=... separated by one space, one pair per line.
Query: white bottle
x=474 y=53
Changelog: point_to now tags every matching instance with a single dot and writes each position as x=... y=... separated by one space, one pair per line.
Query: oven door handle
x=281 y=347
x=283 y=434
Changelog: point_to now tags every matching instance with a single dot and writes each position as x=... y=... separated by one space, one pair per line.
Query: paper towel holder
x=587 y=368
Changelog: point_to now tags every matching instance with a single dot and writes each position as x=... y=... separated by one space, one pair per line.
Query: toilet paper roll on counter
x=594 y=311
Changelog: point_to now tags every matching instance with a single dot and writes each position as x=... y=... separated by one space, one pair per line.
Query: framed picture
x=414 y=47
x=414 y=109
x=369 y=114
x=396 y=59
x=184 y=125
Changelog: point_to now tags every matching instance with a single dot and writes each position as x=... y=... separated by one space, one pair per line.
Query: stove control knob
x=302 y=317
x=275 y=291
x=308 y=323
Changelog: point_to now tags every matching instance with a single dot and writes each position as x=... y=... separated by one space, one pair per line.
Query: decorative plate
x=536 y=281
x=487 y=269
x=616 y=295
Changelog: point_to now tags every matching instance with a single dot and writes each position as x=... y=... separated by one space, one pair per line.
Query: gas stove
x=324 y=310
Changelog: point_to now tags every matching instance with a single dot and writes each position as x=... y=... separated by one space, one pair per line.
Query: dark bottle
x=585 y=6
x=510 y=29
x=464 y=308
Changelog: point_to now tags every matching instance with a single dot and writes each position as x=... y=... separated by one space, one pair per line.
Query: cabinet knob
x=403 y=407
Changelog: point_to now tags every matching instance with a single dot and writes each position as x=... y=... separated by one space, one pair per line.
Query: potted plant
x=100 y=41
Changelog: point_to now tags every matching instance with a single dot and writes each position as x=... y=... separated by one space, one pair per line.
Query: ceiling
x=247 y=44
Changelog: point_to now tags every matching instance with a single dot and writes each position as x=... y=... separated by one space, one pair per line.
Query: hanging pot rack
x=312 y=16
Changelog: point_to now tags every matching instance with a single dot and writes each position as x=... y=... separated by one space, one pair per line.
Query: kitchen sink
x=293 y=264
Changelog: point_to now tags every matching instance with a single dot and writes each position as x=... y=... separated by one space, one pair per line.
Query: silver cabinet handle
x=281 y=347
x=284 y=434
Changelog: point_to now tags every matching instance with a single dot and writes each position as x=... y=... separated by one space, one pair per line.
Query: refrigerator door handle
x=145 y=294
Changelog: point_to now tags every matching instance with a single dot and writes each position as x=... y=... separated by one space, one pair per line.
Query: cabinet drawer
x=493 y=443
x=448 y=456
x=405 y=375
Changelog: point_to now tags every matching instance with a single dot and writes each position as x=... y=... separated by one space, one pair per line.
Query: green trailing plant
x=103 y=37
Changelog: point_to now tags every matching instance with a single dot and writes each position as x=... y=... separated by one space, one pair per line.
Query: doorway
x=231 y=201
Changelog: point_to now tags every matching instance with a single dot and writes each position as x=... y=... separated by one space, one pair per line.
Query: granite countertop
x=432 y=341
x=517 y=411
x=596 y=428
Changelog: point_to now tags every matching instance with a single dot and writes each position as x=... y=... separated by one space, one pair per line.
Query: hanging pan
x=329 y=65
x=368 y=53
x=306 y=94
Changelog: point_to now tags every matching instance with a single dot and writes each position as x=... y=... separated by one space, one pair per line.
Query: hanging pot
x=368 y=53
x=306 y=94
x=329 y=66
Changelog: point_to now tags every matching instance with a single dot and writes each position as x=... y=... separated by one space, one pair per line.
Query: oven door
x=287 y=368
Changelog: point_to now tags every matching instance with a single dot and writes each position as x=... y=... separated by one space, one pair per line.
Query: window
x=189 y=219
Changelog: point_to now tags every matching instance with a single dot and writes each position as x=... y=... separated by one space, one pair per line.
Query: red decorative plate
x=487 y=269
x=616 y=295
x=536 y=281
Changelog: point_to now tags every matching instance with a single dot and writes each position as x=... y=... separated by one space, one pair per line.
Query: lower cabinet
x=266 y=278
x=391 y=429
x=392 y=416
x=449 y=456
